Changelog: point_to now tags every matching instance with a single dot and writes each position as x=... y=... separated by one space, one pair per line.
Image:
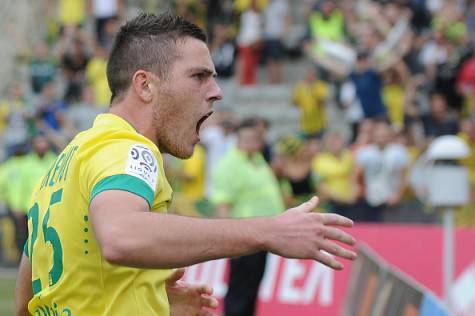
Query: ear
x=143 y=86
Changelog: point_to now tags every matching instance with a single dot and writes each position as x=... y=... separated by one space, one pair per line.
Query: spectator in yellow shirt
x=193 y=175
x=334 y=166
x=243 y=5
x=465 y=216
x=96 y=76
x=468 y=135
x=188 y=178
x=72 y=13
x=310 y=96
x=394 y=98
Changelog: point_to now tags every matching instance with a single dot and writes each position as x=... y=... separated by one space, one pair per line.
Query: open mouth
x=198 y=125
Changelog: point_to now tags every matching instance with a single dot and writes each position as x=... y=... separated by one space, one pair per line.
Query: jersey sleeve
x=124 y=165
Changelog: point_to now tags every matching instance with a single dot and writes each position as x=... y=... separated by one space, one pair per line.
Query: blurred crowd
x=398 y=72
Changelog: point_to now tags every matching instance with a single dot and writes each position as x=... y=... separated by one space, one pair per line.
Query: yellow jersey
x=335 y=172
x=72 y=12
x=393 y=97
x=194 y=168
x=69 y=274
x=310 y=98
x=96 y=70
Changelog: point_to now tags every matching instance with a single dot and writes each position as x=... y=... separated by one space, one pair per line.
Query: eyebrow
x=205 y=70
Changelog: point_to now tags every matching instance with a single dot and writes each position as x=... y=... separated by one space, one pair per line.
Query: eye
x=200 y=76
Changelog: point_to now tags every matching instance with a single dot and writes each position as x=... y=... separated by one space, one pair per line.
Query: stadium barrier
x=376 y=288
x=410 y=255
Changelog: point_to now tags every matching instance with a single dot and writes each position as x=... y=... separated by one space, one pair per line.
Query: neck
x=136 y=114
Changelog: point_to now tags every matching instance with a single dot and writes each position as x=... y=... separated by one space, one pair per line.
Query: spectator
x=351 y=107
x=82 y=114
x=223 y=54
x=16 y=116
x=74 y=63
x=50 y=118
x=72 y=15
x=439 y=121
x=50 y=108
x=334 y=167
x=409 y=209
x=192 y=10
x=466 y=83
x=42 y=67
x=326 y=22
x=218 y=12
x=326 y=37
x=434 y=51
x=106 y=13
x=188 y=180
x=277 y=21
x=310 y=96
x=36 y=164
x=243 y=5
x=368 y=85
x=244 y=186
x=394 y=98
x=383 y=166
x=11 y=175
x=293 y=166
x=364 y=136
x=465 y=216
x=193 y=175
x=218 y=137
x=249 y=41
x=96 y=76
x=467 y=133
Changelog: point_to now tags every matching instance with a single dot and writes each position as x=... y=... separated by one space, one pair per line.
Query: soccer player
x=100 y=241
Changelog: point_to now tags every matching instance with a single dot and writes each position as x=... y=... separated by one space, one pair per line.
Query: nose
x=215 y=93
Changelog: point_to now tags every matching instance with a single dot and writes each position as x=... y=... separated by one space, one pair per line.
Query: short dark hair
x=147 y=42
x=247 y=123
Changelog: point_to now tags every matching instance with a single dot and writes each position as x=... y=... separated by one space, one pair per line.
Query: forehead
x=247 y=132
x=192 y=53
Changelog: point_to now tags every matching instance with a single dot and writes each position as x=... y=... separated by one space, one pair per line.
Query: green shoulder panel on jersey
x=127 y=183
x=25 y=249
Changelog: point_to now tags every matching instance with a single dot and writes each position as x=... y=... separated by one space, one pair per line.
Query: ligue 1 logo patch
x=141 y=163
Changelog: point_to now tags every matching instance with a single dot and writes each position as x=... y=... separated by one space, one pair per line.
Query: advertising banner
x=307 y=288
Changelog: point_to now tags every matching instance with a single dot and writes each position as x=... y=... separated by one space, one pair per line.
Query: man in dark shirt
x=439 y=121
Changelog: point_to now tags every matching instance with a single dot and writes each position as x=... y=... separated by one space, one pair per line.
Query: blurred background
x=345 y=96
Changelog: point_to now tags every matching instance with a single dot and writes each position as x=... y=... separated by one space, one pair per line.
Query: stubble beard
x=166 y=127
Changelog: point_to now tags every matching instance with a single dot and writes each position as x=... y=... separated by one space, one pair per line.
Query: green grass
x=7 y=289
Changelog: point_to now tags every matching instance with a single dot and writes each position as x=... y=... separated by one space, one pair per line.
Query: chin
x=183 y=153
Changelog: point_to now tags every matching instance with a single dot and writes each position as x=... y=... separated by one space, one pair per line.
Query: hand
x=302 y=233
x=187 y=299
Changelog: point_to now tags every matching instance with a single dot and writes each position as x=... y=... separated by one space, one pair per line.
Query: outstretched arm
x=23 y=291
x=130 y=235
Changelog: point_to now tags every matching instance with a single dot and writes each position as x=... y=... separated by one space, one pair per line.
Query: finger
x=308 y=206
x=204 y=312
x=209 y=302
x=327 y=260
x=337 y=220
x=177 y=275
x=337 y=234
x=204 y=289
x=337 y=250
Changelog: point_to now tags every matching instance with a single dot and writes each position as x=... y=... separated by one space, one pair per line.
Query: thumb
x=309 y=206
x=176 y=275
